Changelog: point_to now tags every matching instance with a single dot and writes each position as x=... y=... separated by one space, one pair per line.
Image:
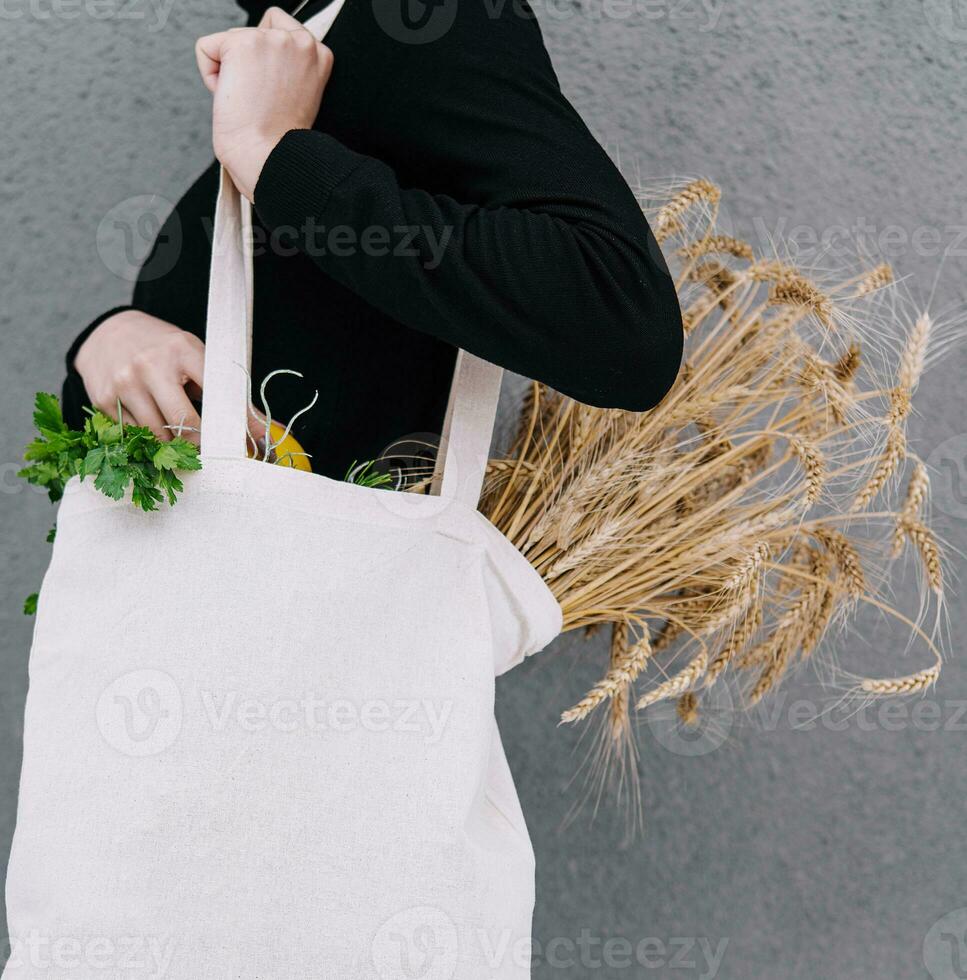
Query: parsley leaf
x=47 y=414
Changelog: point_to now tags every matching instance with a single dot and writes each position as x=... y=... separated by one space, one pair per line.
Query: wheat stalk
x=844 y=370
x=687 y=708
x=877 y=278
x=717 y=244
x=910 y=684
x=699 y=191
x=926 y=544
x=917 y=490
x=680 y=682
x=794 y=289
x=736 y=517
x=623 y=672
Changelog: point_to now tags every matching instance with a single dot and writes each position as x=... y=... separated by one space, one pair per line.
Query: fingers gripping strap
x=474 y=392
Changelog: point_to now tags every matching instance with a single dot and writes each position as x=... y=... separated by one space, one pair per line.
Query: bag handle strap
x=461 y=461
x=228 y=333
x=472 y=406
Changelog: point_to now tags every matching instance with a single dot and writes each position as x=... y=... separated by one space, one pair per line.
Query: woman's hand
x=153 y=367
x=266 y=80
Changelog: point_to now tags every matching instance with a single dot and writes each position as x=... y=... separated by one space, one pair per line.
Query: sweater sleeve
x=488 y=216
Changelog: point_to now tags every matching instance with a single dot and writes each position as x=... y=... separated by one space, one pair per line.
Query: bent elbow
x=647 y=333
x=648 y=356
x=652 y=373
x=619 y=343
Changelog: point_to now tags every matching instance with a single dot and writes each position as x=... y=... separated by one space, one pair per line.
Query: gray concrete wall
x=815 y=854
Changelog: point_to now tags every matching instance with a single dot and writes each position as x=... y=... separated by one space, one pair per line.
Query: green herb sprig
x=365 y=475
x=116 y=455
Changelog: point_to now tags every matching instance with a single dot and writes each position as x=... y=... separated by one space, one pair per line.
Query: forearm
x=547 y=290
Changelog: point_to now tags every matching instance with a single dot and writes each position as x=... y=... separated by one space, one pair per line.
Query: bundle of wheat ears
x=721 y=535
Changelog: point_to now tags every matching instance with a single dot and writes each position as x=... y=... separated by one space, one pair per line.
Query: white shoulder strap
x=468 y=428
x=228 y=334
x=474 y=391
x=319 y=24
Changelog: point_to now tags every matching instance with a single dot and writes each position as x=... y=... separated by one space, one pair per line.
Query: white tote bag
x=259 y=737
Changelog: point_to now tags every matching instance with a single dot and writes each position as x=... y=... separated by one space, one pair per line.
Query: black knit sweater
x=448 y=196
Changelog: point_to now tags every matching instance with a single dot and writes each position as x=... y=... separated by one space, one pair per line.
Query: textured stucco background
x=815 y=853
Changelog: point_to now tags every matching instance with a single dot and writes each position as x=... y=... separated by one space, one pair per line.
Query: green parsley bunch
x=117 y=456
